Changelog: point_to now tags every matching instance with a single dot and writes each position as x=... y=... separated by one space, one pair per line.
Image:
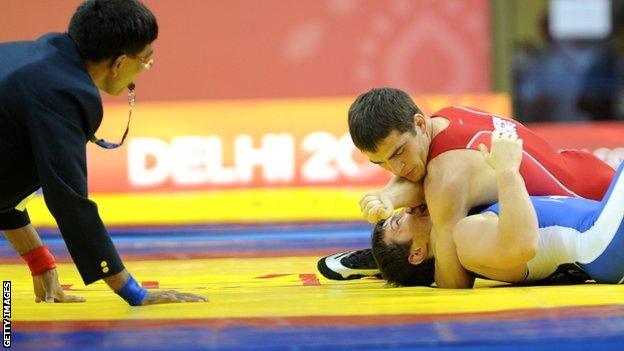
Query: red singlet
x=545 y=170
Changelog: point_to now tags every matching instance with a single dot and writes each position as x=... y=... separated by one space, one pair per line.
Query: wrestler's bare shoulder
x=460 y=174
x=453 y=164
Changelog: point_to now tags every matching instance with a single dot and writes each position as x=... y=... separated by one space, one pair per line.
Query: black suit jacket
x=49 y=108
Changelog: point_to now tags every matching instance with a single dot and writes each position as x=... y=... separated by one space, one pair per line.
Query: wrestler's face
x=403 y=154
x=125 y=68
x=405 y=225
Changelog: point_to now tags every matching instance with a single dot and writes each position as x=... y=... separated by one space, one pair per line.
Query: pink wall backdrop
x=306 y=48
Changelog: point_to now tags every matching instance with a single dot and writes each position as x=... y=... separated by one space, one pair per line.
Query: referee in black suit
x=50 y=107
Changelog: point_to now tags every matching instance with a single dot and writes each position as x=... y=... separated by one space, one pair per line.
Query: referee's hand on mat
x=171 y=296
x=48 y=289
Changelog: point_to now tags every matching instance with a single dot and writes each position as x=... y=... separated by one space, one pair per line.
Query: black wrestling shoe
x=349 y=265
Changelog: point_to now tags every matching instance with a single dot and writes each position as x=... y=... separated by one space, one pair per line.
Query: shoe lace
x=362 y=258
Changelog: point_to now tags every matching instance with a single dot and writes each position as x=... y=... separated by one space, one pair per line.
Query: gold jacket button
x=103 y=264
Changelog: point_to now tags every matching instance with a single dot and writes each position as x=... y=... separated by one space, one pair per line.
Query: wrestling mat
x=265 y=294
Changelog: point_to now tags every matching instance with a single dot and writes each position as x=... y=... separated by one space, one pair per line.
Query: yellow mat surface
x=286 y=287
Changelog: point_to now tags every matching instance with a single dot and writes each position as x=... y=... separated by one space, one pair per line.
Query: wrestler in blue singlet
x=576 y=231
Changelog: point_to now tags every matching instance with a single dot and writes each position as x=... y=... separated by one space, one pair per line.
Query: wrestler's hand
x=171 y=296
x=376 y=206
x=48 y=289
x=505 y=153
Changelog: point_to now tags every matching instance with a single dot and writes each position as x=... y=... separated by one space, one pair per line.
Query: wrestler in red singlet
x=545 y=171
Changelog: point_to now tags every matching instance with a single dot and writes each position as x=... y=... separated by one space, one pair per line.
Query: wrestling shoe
x=349 y=265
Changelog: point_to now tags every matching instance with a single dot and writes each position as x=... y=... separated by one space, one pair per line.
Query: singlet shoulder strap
x=464 y=123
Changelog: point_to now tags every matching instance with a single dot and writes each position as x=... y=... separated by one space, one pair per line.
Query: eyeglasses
x=108 y=145
x=146 y=62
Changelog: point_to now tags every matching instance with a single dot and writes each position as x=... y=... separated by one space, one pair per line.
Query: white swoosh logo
x=333 y=263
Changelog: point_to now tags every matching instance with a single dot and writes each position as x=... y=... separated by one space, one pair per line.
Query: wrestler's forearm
x=449 y=273
x=404 y=193
x=23 y=239
x=517 y=221
x=447 y=198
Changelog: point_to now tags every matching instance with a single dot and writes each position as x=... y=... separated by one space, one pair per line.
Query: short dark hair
x=105 y=29
x=393 y=261
x=376 y=113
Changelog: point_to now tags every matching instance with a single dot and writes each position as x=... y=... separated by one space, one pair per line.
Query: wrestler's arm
x=510 y=238
x=404 y=193
x=398 y=193
x=447 y=199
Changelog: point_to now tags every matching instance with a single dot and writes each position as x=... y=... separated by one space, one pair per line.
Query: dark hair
x=376 y=113
x=393 y=262
x=105 y=29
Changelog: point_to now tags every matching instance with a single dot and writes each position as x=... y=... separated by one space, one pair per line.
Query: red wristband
x=39 y=260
